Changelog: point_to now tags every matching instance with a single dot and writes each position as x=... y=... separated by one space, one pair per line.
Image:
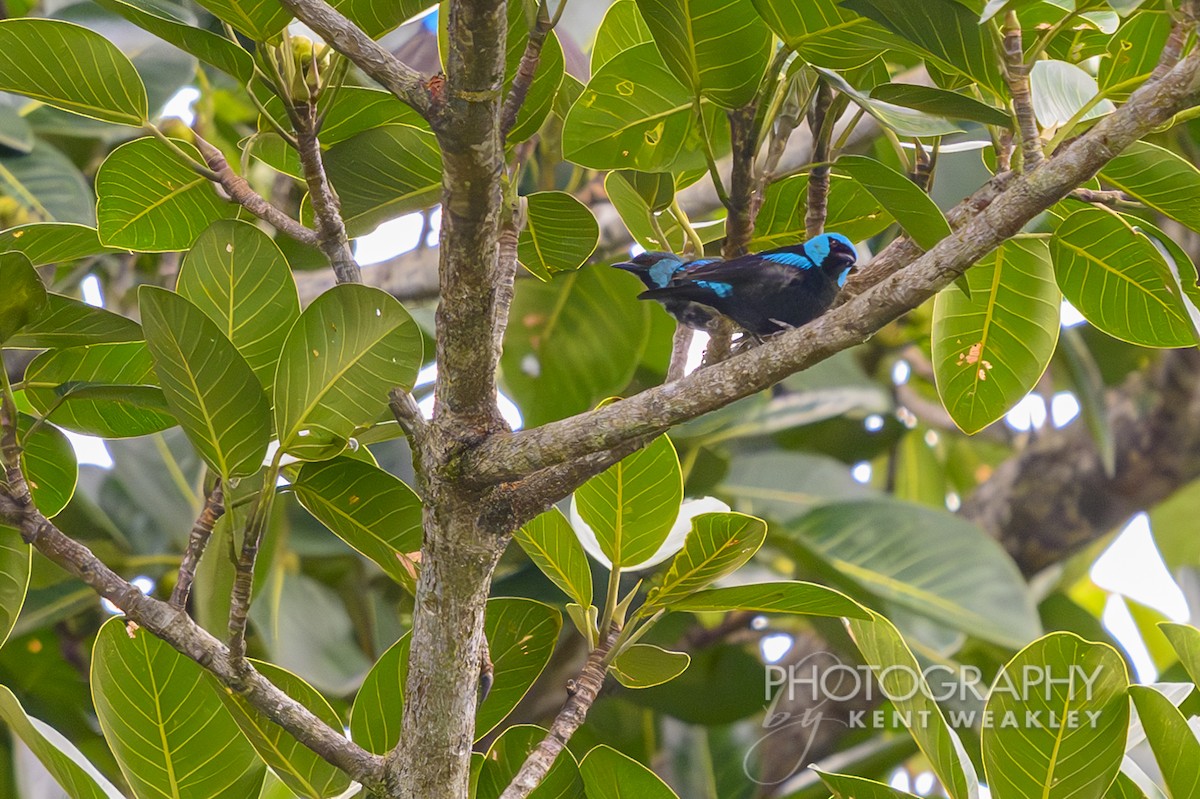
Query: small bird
x=655 y=270
x=766 y=292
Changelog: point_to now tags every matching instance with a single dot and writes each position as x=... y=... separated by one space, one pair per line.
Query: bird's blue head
x=833 y=253
x=654 y=268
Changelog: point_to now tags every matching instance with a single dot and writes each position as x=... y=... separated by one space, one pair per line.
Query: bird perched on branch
x=656 y=269
x=765 y=292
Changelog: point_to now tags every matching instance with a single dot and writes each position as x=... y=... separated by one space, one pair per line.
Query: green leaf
x=67 y=322
x=638 y=196
x=1074 y=749
x=377 y=18
x=48 y=462
x=846 y=786
x=646 y=665
x=622 y=123
x=539 y=100
x=53 y=242
x=941 y=103
x=47 y=185
x=912 y=208
x=1060 y=90
x=366 y=507
x=521 y=635
x=163 y=21
x=608 y=774
x=720 y=48
x=236 y=275
x=126 y=367
x=1185 y=640
x=348 y=348
x=506 y=756
x=572 y=341
x=150 y=200
x=164 y=723
x=349 y=111
x=70 y=769
x=24 y=297
x=72 y=68
x=1118 y=280
x=990 y=349
x=632 y=505
x=258 y=19
x=209 y=387
x=929 y=561
x=852 y=211
x=900 y=677
x=945 y=30
x=805 y=599
x=301 y=769
x=15 y=133
x=621 y=29
x=1124 y=788
x=1175 y=746
x=16 y=560
x=560 y=234
x=384 y=172
x=718 y=544
x=551 y=544
x=1133 y=55
x=1159 y=178
x=901 y=120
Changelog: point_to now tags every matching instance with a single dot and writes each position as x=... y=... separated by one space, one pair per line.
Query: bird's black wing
x=726 y=279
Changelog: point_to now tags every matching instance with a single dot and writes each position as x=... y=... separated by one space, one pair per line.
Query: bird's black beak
x=628 y=266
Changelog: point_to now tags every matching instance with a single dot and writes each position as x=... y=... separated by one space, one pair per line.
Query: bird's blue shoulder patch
x=795 y=259
x=716 y=287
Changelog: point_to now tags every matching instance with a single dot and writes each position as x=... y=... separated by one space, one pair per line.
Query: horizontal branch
x=506 y=456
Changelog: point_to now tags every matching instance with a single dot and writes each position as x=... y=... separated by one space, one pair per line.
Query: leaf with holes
x=72 y=68
x=236 y=275
x=551 y=544
x=209 y=386
x=165 y=724
x=1119 y=280
x=559 y=235
x=347 y=349
x=150 y=200
x=718 y=544
x=632 y=505
x=366 y=507
x=990 y=349
x=1076 y=751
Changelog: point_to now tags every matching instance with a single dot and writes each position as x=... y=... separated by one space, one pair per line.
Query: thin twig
x=527 y=68
x=1185 y=22
x=681 y=345
x=214 y=507
x=820 y=122
x=1113 y=199
x=327 y=208
x=1016 y=74
x=243 y=581
x=408 y=414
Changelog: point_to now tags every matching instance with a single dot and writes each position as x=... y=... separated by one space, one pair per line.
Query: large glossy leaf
x=70 y=769
x=852 y=211
x=719 y=48
x=912 y=208
x=258 y=19
x=941 y=103
x=16 y=558
x=48 y=462
x=926 y=560
x=47 y=185
x=209 y=386
x=573 y=341
x=521 y=635
x=1185 y=640
x=608 y=774
x=902 y=121
x=151 y=201
x=990 y=349
x=72 y=68
x=718 y=544
x=161 y=20
x=645 y=666
x=805 y=599
x=901 y=680
x=349 y=347
x=551 y=544
x=1061 y=90
x=622 y=123
x=1074 y=749
x=560 y=234
x=366 y=507
x=301 y=769
x=1133 y=54
x=164 y=722
x=846 y=786
x=621 y=29
x=1175 y=747
x=67 y=322
x=1124 y=787
x=1119 y=280
x=639 y=196
x=384 y=172
x=126 y=367
x=781 y=486
x=1159 y=178
x=349 y=111
x=24 y=297
x=53 y=242
x=825 y=33
x=236 y=275
x=505 y=757
x=632 y=505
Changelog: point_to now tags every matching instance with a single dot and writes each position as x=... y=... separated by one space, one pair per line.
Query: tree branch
x=653 y=411
x=821 y=125
x=529 y=64
x=1016 y=74
x=327 y=208
x=214 y=507
x=344 y=36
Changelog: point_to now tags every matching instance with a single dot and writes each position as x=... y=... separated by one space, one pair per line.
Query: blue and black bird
x=656 y=269
x=766 y=292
